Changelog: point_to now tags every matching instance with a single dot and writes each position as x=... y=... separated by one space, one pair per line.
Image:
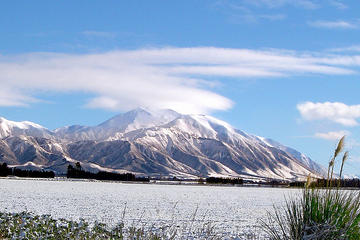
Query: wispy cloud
x=13 y=97
x=336 y=135
x=339 y=24
x=338 y=4
x=354 y=48
x=99 y=34
x=307 y=4
x=273 y=17
x=255 y=11
x=174 y=78
x=251 y=17
x=337 y=112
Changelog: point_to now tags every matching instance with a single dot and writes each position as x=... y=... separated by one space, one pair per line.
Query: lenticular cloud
x=162 y=78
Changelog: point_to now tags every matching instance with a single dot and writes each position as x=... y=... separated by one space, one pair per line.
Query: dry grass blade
x=345 y=157
x=339 y=147
x=331 y=164
x=308 y=181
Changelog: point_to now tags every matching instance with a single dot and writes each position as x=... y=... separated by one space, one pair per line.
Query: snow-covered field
x=230 y=209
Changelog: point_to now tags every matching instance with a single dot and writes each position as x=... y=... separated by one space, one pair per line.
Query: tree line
x=219 y=180
x=77 y=172
x=6 y=171
x=321 y=183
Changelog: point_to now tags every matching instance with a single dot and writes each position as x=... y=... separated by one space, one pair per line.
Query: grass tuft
x=318 y=213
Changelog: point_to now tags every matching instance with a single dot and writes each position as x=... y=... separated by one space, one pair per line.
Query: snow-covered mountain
x=298 y=155
x=158 y=143
x=351 y=176
x=11 y=128
x=122 y=123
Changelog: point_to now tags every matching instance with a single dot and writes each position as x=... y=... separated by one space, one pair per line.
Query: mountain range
x=153 y=143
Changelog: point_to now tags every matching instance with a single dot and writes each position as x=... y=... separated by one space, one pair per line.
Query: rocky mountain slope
x=155 y=143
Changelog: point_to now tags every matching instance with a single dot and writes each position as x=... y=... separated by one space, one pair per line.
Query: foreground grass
x=25 y=225
x=317 y=214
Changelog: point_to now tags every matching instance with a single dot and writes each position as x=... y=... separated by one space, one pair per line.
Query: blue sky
x=283 y=69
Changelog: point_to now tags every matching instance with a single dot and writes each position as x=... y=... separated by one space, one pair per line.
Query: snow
x=139 y=118
x=27 y=164
x=351 y=176
x=209 y=121
x=8 y=125
x=12 y=128
x=230 y=209
x=264 y=141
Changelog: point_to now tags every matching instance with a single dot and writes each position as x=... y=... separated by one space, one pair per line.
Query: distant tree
x=77 y=172
x=78 y=166
x=70 y=171
x=214 y=180
x=4 y=170
x=32 y=173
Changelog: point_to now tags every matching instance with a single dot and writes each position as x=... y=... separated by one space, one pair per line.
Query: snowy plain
x=231 y=210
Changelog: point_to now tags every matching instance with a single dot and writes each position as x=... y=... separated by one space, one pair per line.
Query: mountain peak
x=8 y=128
x=153 y=112
x=203 y=126
x=138 y=110
x=139 y=118
x=21 y=125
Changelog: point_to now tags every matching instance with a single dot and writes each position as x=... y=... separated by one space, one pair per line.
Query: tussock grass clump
x=317 y=214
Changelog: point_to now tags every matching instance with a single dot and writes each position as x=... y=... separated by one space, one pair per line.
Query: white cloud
x=273 y=17
x=340 y=24
x=161 y=77
x=336 y=135
x=354 y=48
x=338 y=4
x=250 y=17
x=240 y=11
x=90 y=33
x=307 y=4
x=333 y=111
x=12 y=97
